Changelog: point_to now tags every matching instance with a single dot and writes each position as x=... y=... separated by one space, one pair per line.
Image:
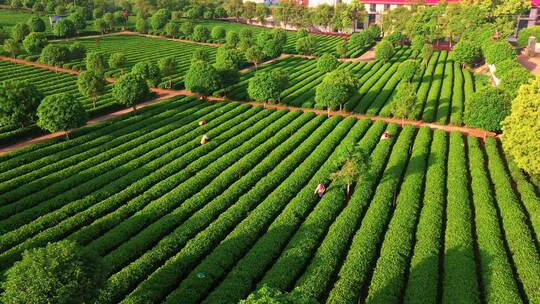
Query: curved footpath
x=164 y=94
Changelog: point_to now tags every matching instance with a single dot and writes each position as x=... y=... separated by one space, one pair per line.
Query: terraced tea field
x=439 y=215
x=49 y=83
x=138 y=48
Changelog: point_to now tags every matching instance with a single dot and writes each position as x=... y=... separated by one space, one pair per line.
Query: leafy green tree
x=306 y=45
x=218 y=33
x=172 y=29
x=255 y=55
x=77 y=51
x=167 y=67
x=521 y=129
x=496 y=52
x=280 y=36
x=267 y=86
x=248 y=11
x=19 y=31
x=61 y=112
x=261 y=12
x=130 y=89
x=247 y=40
x=335 y=89
x=384 y=51
x=201 y=78
x=60 y=10
x=427 y=52
x=487 y=108
x=18 y=102
x=12 y=46
x=301 y=33
x=200 y=33
x=97 y=62
x=395 y=38
x=327 y=63
x=374 y=31
x=97 y=13
x=54 y=54
x=187 y=28
x=404 y=101
x=35 y=42
x=3 y=35
x=101 y=26
x=407 y=69
x=271 y=47
x=149 y=71
x=159 y=19
x=417 y=43
x=78 y=20
x=67 y=273
x=91 y=84
x=110 y=21
x=234 y=8
x=513 y=79
x=141 y=25
x=359 y=41
x=232 y=39
x=36 y=24
x=117 y=61
x=38 y=8
x=466 y=52
x=342 y=48
x=64 y=28
x=356 y=165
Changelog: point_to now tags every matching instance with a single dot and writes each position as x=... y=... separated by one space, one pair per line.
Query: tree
x=301 y=33
x=168 y=67
x=306 y=45
x=200 y=33
x=359 y=41
x=261 y=12
x=12 y=47
x=248 y=11
x=97 y=13
x=267 y=86
x=466 y=52
x=417 y=43
x=64 y=28
x=487 y=108
x=18 y=102
x=280 y=36
x=521 y=129
x=427 y=52
x=200 y=54
x=232 y=39
x=218 y=33
x=187 y=28
x=335 y=89
x=35 y=42
x=255 y=55
x=496 y=52
x=404 y=101
x=78 y=20
x=36 y=24
x=101 y=26
x=395 y=38
x=159 y=19
x=60 y=10
x=408 y=69
x=61 y=112
x=374 y=31
x=3 y=35
x=149 y=71
x=384 y=51
x=356 y=165
x=342 y=48
x=117 y=61
x=234 y=8
x=77 y=51
x=54 y=54
x=141 y=25
x=327 y=63
x=91 y=84
x=109 y=21
x=66 y=272
x=246 y=39
x=37 y=8
x=130 y=89
x=201 y=78
x=172 y=29
x=513 y=79
x=97 y=62
x=19 y=31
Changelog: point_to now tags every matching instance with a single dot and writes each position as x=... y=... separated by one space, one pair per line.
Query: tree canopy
x=91 y=84
x=267 y=86
x=18 y=102
x=130 y=89
x=327 y=63
x=487 y=108
x=335 y=89
x=61 y=112
x=201 y=78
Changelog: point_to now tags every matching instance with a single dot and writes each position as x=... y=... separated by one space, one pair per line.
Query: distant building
x=54 y=19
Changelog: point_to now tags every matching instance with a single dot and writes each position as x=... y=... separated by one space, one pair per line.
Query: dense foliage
x=487 y=108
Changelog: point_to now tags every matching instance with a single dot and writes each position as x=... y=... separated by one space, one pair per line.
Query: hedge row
x=388 y=280
x=424 y=273
x=316 y=279
x=518 y=235
x=362 y=253
x=445 y=100
x=248 y=270
x=430 y=107
x=460 y=283
x=172 y=270
x=425 y=85
x=498 y=281
x=456 y=117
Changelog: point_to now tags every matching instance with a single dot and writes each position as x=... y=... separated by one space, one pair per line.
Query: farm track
x=168 y=93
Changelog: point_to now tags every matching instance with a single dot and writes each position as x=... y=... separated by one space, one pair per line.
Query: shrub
x=404 y=101
x=200 y=33
x=301 y=33
x=159 y=19
x=513 y=79
x=524 y=34
x=395 y=38
x=117 y=60
x=12 y=47
x=60 y=112
x=374 y=31
x=141 y=25
x=504 y=67
x=384 y=51
x=66 y=272
x=407 y=69
x=495 y=52
x=520 y=128
x=487 y=108
x=187 y=28
x=232 y=39
x=342 y=48
x=327 y=63
x=267 y=295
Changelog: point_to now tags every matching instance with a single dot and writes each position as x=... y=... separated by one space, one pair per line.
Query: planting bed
x=437 y=217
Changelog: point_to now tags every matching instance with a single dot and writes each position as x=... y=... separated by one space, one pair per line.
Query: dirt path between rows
x=164 y=94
